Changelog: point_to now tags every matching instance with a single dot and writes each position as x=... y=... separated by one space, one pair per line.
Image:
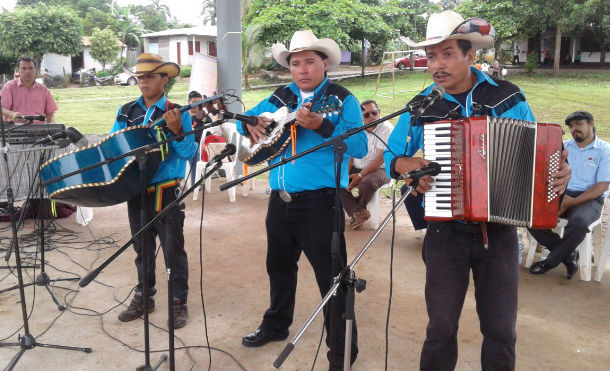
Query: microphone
x=33 y=118
x=250 y=120
x=437 y=93
x=76 y=137
x=432 y=168
x=70 y=133
x=227 y=151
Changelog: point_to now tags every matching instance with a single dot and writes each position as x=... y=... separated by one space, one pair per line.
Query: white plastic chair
x=603 y=256
x=585 y=248
x=228 y=167
x=373 y=207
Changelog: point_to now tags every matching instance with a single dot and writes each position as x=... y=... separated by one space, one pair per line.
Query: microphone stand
x=342 y=277
x=140 y=155
x=27 y=341
x=43 y=278
x=345 y=277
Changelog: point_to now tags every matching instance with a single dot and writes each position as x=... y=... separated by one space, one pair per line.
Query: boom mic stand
x=343 y=278
x=140 y=155
x=353 y=284
x=26 y=341
x=43 y=278
x=94 y=273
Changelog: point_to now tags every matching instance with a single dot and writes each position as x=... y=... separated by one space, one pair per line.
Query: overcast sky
x=187 y=11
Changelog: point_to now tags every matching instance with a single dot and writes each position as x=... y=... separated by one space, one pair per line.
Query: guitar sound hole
x=270 y=127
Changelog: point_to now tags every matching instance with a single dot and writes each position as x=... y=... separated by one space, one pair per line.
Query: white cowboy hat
x=449 y=25
x=306 y=40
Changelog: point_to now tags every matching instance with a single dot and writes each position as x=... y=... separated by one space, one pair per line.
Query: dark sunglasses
x=475 y=25
x=373 y=113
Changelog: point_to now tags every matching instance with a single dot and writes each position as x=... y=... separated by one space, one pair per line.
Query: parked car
x=405 y=62
x=124 y=78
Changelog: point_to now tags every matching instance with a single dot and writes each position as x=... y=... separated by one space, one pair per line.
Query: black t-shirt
x=197 y=123
x=461 y=97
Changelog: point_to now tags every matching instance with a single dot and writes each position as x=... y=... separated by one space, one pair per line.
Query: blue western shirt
x=397 y=143
x=314 y=170
x=174 y=165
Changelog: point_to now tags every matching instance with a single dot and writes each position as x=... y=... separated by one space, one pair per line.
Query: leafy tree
x=506 y=17
x=104 y=45
x=151 y=19
x=595 y=15
x=40 y=29
x=252 y=51
x=96 y=18
x=82 y=7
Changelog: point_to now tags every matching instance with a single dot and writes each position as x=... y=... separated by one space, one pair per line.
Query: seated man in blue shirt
x=301 y=213
x=153 y=74
x=584 y=199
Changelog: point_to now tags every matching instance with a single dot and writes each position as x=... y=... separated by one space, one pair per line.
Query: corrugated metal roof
x=197 y=31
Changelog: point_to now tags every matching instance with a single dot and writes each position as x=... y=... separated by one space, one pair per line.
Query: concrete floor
x=562 y=325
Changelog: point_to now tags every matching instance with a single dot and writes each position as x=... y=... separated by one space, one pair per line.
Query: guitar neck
x=186 y=108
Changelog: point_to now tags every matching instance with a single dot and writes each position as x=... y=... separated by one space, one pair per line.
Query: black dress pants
x=579 y=217
x=304 y=225
x=451 y=250
x=172 y=221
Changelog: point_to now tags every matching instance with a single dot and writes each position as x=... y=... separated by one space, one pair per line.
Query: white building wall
x=91 y=62
x=56 y=64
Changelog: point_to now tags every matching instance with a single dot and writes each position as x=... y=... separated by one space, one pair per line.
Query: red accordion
x=493 y=169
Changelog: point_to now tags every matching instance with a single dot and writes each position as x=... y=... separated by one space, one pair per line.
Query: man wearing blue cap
x=589 y=157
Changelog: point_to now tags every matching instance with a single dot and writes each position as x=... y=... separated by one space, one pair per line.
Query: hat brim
x=171 y=69
x=326 y=46
x=477 y=40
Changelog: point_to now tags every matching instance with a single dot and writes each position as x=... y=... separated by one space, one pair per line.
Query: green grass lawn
x=93 y=109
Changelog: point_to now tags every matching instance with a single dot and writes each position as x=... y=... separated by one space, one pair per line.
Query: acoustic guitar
x=278 y=131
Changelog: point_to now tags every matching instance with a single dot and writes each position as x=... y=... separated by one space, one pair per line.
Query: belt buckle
x=285 y=196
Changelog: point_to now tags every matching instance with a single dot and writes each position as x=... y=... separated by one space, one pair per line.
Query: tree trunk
x=363 y=57
x=246 y=83
x=602 y=40
x=557 y=51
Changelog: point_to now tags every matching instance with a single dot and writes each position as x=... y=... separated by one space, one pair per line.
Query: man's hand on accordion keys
x=562 y=177
x=403 y=165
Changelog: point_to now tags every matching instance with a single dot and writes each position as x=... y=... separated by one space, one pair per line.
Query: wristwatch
x=359 y=175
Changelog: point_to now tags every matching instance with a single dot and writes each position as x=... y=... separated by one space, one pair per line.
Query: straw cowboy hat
x=306 y=40
x=154 y=63
x=449 y=25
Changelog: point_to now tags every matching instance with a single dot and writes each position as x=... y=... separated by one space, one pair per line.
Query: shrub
x=185 y=71
x=271 y=65
x=169 y=86
x=533 y=60
x=102 y=73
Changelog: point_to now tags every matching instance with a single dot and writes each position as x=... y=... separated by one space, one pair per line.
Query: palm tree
x=127 y=25
x=208 y=11
x=252 y=51
x=161 y=8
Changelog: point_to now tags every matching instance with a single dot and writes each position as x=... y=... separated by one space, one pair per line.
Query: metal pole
x=228 y=36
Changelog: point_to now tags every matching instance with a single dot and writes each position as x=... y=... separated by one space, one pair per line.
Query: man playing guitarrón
x=153 y=74
x=300 y=215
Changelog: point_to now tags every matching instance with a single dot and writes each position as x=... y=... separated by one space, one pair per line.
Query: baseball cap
x=579 y=115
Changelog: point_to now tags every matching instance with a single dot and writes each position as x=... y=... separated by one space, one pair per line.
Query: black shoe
x=571 y=264
x=136 y=308
x=540 y=267
x=180 y=313
x=261 y=337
